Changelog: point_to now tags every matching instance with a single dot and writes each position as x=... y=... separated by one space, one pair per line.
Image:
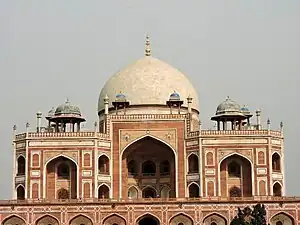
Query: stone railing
x=240 y=133
x=147 y=116
x=33 y=135
x=224 y=200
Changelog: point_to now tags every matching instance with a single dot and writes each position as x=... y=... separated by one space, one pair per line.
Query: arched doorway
x=276 y=162
x=145 y=160
x=20 y=192
x=148 y=220
x=47 y=220
x=103 y=164
x=149 y=192
x=81 y=220
x=194 y=191
x=114 y=220
x=181 y=219
x=214 y=219
x=236 y=177
x=103 y=191
x=61 y=179
x=13 y=220
x=193 y=162
x=277 y=190
x=21 y=166
x=282 y=219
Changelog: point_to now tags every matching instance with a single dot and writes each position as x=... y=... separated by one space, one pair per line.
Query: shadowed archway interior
x=148 y=220
x=144 y=161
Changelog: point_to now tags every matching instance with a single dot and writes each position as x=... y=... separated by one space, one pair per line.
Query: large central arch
x=61 y=178
x=235 y=176
x=148 y=164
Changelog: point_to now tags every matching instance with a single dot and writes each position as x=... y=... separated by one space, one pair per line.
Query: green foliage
x=248 y=216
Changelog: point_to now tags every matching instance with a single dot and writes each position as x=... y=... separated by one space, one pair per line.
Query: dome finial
x=147 y=49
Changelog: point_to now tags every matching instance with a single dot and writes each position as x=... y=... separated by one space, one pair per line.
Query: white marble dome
x=148 y=81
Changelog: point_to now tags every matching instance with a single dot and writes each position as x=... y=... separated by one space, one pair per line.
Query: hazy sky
x=53 y=50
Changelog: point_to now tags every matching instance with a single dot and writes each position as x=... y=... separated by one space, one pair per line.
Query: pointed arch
x=165 y=192
x=103 y=191
x=114 y=219
x=127 y=154
x=144 y=218
x=193 y=163
x=103 y=164
x=250 y=188
x=151 y=136
x=149 y=192
x=13 y=220
x=181 y=218
x=148 y=168
x=21 y=165
x=20 y=192
x=194 y=190
x=76 y=192
x=47 y=219
x=282 y=218
x=214 y=218
x=277 y=189
x=276 y=162
x=81 y=220
x=133 y=192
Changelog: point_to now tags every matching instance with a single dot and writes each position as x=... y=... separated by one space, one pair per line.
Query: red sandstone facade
x=147 y=164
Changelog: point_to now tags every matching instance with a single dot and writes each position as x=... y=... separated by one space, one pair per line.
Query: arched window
x=194 y=191
x=165 y=168
x=63 y=194
x=193 y=164
x=235 y=192
x=103 y=191
x=103 y=164
x=276 y=162
x=149 y=168
x=180 y=224
x=21 y=165
x=63 y=171
x=279 y=223
x=213 y=223
x=132 y=193
x=277 y=190
x=20 y=193
x=132 y=168
x=234 y=169
x=149 y=193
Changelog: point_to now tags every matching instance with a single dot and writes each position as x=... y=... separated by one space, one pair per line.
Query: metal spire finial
x=147 y=49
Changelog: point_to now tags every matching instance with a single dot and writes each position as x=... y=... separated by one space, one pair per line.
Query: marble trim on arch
x=127 y=136
x=51 y=154
x=223 y=153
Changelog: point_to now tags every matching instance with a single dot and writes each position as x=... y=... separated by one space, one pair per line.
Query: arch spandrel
x=128 y=137
x=282 y=217
x=72 y=155
x=225 y=153
x=13 y=220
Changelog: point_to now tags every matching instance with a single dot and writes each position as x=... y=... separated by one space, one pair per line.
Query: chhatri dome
x=148 y=81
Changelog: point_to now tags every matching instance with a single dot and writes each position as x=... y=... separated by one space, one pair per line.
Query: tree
x=248 y=216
